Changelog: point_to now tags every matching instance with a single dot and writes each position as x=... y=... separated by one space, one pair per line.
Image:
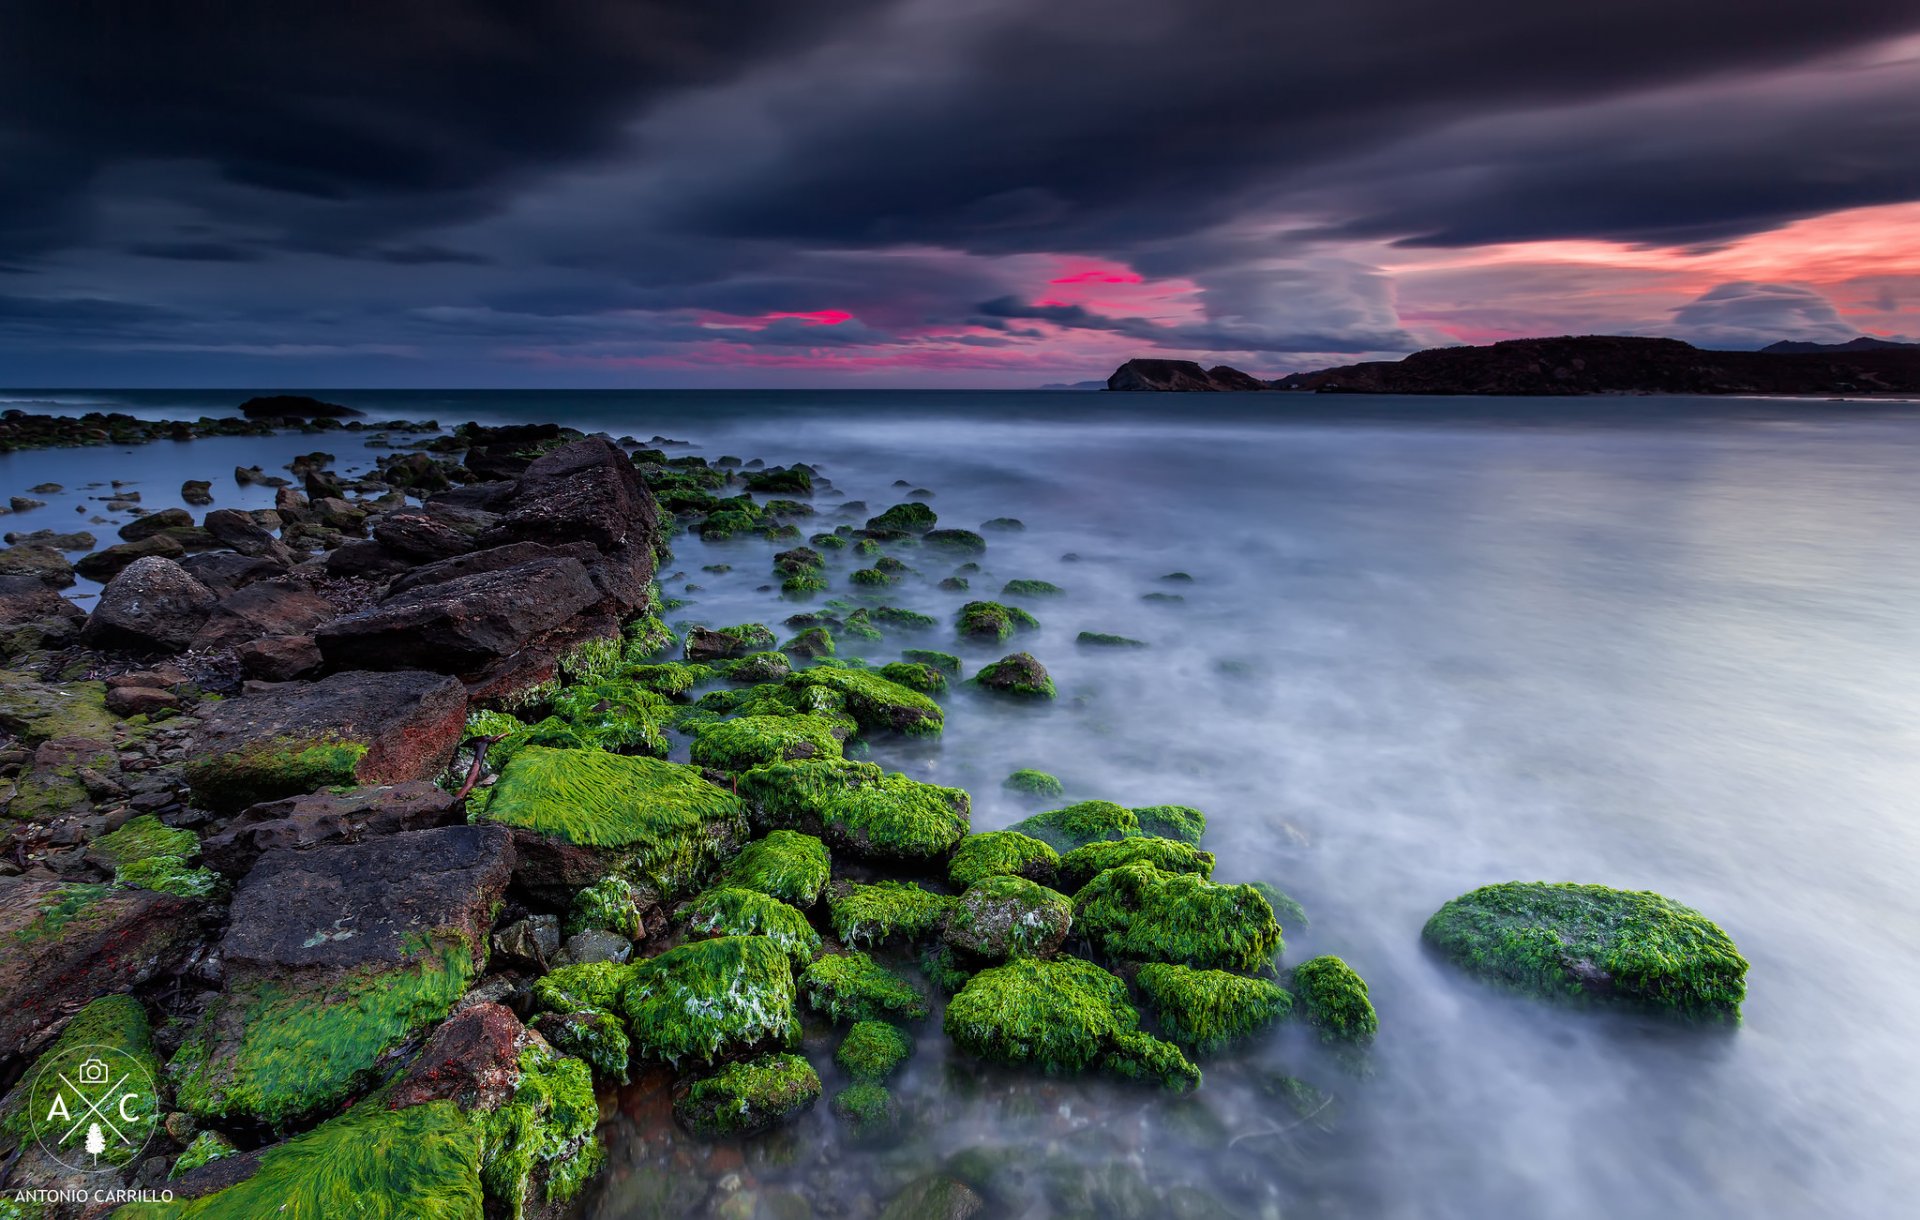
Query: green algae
x=861 y=808
x=743 y=1099
x=204 y=1149
x=1019 y=674
x=858 y=626
x=597 y=1037
x=945 y=662
x=1588 y=944
x=1059 y=1015
x=273 y=769
x=831 y=542
x=116 y=1022
x=1030 y=588
x=872 y=578
x=729 y=911
x=143 y=838
x=1142 y=1057
x=170 y=875
x=872 y=1051
x=912 y=517
x=1138 y=913
x=710 y=998
x=1002 y=853
x=853 y=987
x=1205 y=1011
x=1080 y=824
x=867 y=1107
x=1334 y=1000
x=1083 y=864
x=963 y=542
x=903 y=619
x=1005 y=916
x=923 y=678
x=813 y=642
x=992 y=620
x=587 y=987
x=749 y=741
x=37 y=711
x=1103 y=639
x=803 y=584
x=546 y=1132
x=1034 y=783
x=1182 y=822
x=607 y=904
x=760 y=667
x=670 y=678
x=945 y=970
x=63 y=906
x=873 y=914
x=787 y=865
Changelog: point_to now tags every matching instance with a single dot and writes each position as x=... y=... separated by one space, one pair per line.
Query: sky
x=990 y=193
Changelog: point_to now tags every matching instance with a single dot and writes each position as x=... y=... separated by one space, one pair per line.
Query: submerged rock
x=853 y=987
x=1060 y=1016
x=872 y=1051
x=743 y=1099
x=992 y=621
x=710 y=998
x=1033 y=783
x=1590 y=943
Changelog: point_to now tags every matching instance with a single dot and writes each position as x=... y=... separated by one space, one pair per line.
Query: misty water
x=1660 y=644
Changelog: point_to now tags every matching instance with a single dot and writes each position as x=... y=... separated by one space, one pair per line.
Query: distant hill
x=1590 y=364
x=1865 y=343
x=1075 y=385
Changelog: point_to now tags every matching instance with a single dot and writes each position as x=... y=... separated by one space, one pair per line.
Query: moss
x=590 y=661
x=793 y=480
x=760 y=667
x=861 y=808
x=673 y=678
x=871 y=914
x=546 y=1132
x=1102 y=639
x=646 y=637
x=787 y=865
x=945 y=970
x=1333 y=999
x=1002 y=853
x=905 y=620
x=953 y=584
x=664 y=816
x=62 y=907
x=587 y=987
x=831 y=542
x=1019 y=674
x=867 y=1107
x=300 y=1051
x=992 y=621
x=204 y=1149
x=371 y=1163
x=117 y=1022
x=1034 y=783
x=1168 y=599
x=1586 y=944
x=923 y=678
x=872 y=578
x=710 y=998
x=803 y=584
x=739 y=640
x=1003 y=916
x=866 y=547
x=607 y=904
x=872 y=1051
x=853 y=987
x=813 y=642
x=964 y=542
x=1080 y=824
x=40 y=711
x=1145 y=1058
x=143 y=838
x=1207 y=1010
x=1289 y=913
x=1030 y=588
x=1083 y=864
x=170 y=875
x=740 y=912
x=875 y=703
x=912 y=517
x=745 y=743
x=743 y=1099
x=1059 y=1016
x=1139 y=913
x=858 y=626
x=597 y=1037
x=270 y=770
x=1182 y=822
x=945 y=662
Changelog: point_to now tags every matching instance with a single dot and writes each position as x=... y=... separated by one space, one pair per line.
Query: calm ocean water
x=1667 y=644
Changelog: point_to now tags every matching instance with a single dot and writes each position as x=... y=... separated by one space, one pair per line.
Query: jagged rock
x=279 y=658
x=351 y=728
x=508 y=451
x=588 y=491
x=1180 y=375
x=493 y=559
x=225 y=571
x=197 y=492
x=151 y=606
x=421 y=536
x=241 y=532
x=140 y=700
x=104 y=565
x=156 y=523
x=531 y=942
x=265 y=608
x=26 y=599
x=318 y=819
x=366 y=558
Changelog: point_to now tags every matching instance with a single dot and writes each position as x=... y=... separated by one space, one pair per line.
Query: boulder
x=197 y=492
x=335 y=957
x=351 y=728
x=66 y=773
x=140 y=700
x=421 y=536
x=239 y=531
x=1001 y=917
x=70 y=942
x=747 y=1098
x=493 y=559
x=104 y=565
x=225 y=571
x=588 y=491
x=366 y=558
x=151 y=606
x=1020 y=675
x=38 y=561
x=156 y=523
x=26 y=599
x=293 y=406
x=319 y=819
x=279 y=658
x=264 y=608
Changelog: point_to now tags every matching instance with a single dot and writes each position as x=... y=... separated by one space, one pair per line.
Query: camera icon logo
x=93 y=1071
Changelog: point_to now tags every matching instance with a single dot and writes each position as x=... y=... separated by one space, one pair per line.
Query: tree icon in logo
x=93 y=1108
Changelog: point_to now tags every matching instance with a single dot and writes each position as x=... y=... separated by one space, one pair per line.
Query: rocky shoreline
x=353 y=821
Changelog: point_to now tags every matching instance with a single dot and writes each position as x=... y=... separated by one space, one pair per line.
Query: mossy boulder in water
x=859 y=807
x=1034 y=783
x=873 y=1051
x=853 y=987
x=1083 y=864
x=658 y=822
x=1592 y=944
x=1019 y=674
x=788 y=865
x=923 y=678
x=707 y=644
x=1334 y=1000
x=1002 y=853
x=945 y=662
x=992 y=621
x=912 y=517
x=743 y=1099
x=1080 y=824
x=884 y=911
x=959 y=542
x=1001 y=917
x=1061 y=1016
x=812 y=642
x=736 y=912
x=1138 y=913
x=1206 y=1010
x=760 y=667
x=744 y=743
x=710 y=998
x=878 y=705
x=1182 y=822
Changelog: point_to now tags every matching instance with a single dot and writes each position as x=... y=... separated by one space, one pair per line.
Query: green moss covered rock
x=1334 y=1000
x=1003 y=916
x=540 y=1145
x=866 y=1107
x=760 y=667
x=744 y=743
x=118 y=1023
x=142 y=838
x=1034 y=783
x=884 y=911
x=1106 y=639
x=786 y=864
x=1059 y=1016
x=957 y=542
x=737 y=912
x=1207 y=1010
x=1182 y=822
x=725 y=643
x=992 y=620
x=1019 y=674
x=710 y=998
x=1083 y=864
x=813 y=642
x=608 y=904
x=853 y=987
x=923 y=678
x=945 y=662
x=1138 y=913
x=1031 y=588
x=872 y=1051
x=1080 y=824
x=1142 y=1057
x=1002 y=853
x=597 y=1038
x=585 y=987
x=878 y=705
x=860 y=808
x=912 y=517
x=1592 y=944
x=743 y=1099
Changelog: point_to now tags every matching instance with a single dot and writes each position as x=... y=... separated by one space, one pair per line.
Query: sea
x=1669 y=644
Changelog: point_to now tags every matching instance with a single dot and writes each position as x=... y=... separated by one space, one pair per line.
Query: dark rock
x=140 y=701
x=62 y=780
x=242 y=532
x=421 y=536
x=351 y=728
x=508 y=451
x=367 y=558
x=197 y=492
x=935 y=1197
x=21 y=504
x=530 y=943
x=492 y=496
x=293 y=406
x=588 y=492
x=43 y=563
x=104 y=565
x=79 y=540
x=279 y=658
x=1180 y=375
x=151 y=606
x=155 y=523
x=595 y=945
x=353 y=815
x=292 y=505
x=493 y=559
x=26 y=599
x=265 y=608
x=340 y=515
x=225 y=571
x=473 y=1059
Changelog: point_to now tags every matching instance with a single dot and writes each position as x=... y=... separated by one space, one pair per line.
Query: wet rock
x=337 y=514
x=506 y=452
x=334 y=957
x=156 y=523
x=530 y=943
x=152 y=605
x=351 y=728
x=1138 y=913
x=472 y=1059
x=422 y=536
x=704 y=644
x=197 y=492
x=38 y=561
x=1001 y=917
x=493 y=559
x=240 y=531
x=935 y=1197
x=78 y=540
x=744 y=1099
x=1020 y=675
x=588 y=491
x=860 y=808
x=264 y=608
x=595 y=945
x=293 y=406
x=140 y=700
x=226 y=571
x=104 y=565
x=21 y=504
x=27 y=599
x=366 y=558
x=281 y=658
x=319 y=819
x=62 y=779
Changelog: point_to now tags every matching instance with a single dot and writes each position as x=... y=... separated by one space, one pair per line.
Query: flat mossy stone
x=40 y=711
x=744 y=743
x=583 y=987
x=1004 y=916
x=737 y=912
x=1105 y=639
x=748 y=1098
x=1059 y=1016
x=1334 y=1000
x=961 y=542
x=860 y=808
x=663 y=821
x=1204 y=1011
x=1002 y=853
x=910 y=517
x=1083 y=864
x=786 y=864
x=1031 y=588
x=853 y=987
x=1138 y=913
x=878 y=705
x=885 y=910
x=1587 y=944
x=872 y=1051
x=706 y=999
x=170 y=875
x=1080 y=824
